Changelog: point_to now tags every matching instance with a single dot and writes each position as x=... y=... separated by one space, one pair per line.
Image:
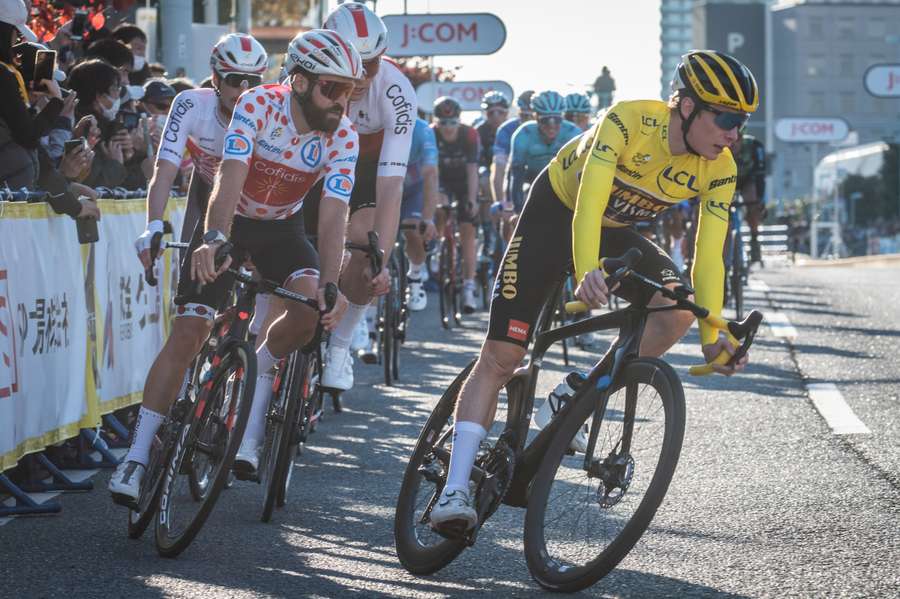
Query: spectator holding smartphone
x=98 y=87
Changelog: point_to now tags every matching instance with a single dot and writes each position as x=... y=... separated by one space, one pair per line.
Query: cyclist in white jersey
x=196 y=124
x=383 y=108
x=281 y=140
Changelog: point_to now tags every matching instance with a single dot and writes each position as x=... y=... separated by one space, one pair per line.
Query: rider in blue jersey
x=420 y=198
x=502 y=144
x=535 y=144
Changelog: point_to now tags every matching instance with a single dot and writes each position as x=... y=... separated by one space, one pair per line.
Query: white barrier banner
x=42 y=331
x=129 y=312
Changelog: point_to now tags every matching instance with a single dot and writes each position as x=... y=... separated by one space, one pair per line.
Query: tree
x=281 y=13
x=49 y=15
x=418 y=70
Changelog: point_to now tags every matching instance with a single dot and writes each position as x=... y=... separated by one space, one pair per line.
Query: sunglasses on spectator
x=448 y=122
x=237 y=80
x=550 y=120
x=728 y=120
x=371 y=67
x=334 y=90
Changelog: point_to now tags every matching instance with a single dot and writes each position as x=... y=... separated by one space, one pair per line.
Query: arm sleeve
x=339 y=171
x=596 y=183
x=26 y=130
x=708 y=271
x=247 y=120
x=518 y=146
x=398 y=106
x=179 y=123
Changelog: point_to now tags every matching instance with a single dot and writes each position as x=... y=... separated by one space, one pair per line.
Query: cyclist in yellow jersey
x=641 y=158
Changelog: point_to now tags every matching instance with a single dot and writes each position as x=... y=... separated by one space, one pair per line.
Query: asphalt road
x=766 y=502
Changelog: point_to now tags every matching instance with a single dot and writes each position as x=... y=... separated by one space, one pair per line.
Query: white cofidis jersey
x=385 y=118
x=194 y=125
x=284 y=164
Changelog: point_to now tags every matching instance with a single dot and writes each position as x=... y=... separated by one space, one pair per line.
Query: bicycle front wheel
x=584 y=515
x=212 y=434
x=279 y=427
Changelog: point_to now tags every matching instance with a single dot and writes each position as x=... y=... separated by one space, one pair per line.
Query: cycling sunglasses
x=550 y=120
x=448 y=122
x=237 y=80
x=334 y=90
x=728 y=120
x=493 y=111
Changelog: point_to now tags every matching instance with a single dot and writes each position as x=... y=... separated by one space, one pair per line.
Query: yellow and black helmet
x=717 y=78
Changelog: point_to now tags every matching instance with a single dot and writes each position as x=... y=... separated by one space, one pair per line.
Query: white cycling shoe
x=547 y=412
x=338 y=372
x=454 y=512
x=247 y=458
x=469 y=303
x=125 y=483
x=418 y=299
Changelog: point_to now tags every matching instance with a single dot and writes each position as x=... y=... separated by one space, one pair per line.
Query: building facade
x=676 y=36
x=821 y=52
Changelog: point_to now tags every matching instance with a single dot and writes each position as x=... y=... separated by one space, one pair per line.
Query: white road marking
x=831 y=405
x=780 y=325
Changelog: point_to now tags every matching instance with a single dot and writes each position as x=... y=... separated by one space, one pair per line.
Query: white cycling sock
x=415 y=271
x=343 y=333
x=256 y=424
x=148 y=422
x=264 y=359
x=259 y=313
x=467 y=437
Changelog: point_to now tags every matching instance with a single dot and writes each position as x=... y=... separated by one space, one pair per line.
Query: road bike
x=736 y=267
x=585 y=511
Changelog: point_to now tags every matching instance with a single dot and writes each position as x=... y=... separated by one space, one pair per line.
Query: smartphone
x=87 y=230
x=71 y=144
x=129 y=119
x=78 y=25
x=44 y=65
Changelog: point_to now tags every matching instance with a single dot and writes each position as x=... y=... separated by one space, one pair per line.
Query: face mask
x=139 y=62
x=110 y=113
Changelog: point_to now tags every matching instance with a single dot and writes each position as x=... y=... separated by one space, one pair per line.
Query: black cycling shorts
x=362 y=196
x=279 y=250
x=465 y=211
x=539 y=255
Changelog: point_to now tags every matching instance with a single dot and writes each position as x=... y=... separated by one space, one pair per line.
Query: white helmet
x=361 y=27
x=323 y=52
x=238 y=53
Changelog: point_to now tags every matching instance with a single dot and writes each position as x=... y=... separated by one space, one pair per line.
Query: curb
x=875 y=260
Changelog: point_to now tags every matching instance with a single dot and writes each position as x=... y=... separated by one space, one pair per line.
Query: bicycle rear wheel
x=446 y=278
x=583 y=519
x=420 y=549
x=212 y=431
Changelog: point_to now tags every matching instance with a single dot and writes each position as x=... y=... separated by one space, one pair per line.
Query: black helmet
x=446 y=107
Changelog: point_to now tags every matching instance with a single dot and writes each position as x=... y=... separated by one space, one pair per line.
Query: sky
x=565 y=50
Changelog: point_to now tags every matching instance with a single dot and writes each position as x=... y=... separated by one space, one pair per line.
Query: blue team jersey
x=422 y=152
x=504 y=136
x=529 y=149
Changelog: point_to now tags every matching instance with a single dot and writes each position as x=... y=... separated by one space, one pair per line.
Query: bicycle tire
x=413 y=555
x=308 y=397
x=446 y=284
x=139 y=520
x=548 y=569
x=279 y=427
x=738 y=274
x=241 y=356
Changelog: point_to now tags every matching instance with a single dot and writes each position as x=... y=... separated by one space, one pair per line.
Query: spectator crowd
x=85 y=126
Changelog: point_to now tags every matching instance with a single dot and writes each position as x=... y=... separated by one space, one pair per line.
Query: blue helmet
x=578 y=103
x=494 y=98
x=524 y=100
x=548 y=102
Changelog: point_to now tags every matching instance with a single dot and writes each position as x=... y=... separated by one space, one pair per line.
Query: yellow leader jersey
x=620 y=171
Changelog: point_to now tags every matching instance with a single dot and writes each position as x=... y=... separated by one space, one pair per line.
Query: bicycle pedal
x=125 y=501
x=455 y=530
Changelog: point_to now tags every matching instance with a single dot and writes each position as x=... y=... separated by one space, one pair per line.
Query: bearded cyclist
x=383 y=110
x=578 y=110
x=281 y=139
x=641 y=158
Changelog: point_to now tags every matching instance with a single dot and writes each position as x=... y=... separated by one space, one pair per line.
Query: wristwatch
x=214 y=236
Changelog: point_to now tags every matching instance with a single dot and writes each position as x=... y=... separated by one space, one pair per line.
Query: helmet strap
x=686 y=123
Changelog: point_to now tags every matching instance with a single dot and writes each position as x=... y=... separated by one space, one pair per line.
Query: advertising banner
x=467 y=93
x=444 y=34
